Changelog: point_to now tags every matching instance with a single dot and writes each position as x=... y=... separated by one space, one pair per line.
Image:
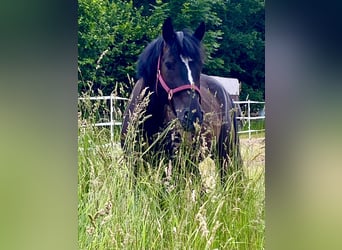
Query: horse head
x=178 y=73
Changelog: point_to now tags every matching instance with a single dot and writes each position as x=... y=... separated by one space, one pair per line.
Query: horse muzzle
x=188 y=117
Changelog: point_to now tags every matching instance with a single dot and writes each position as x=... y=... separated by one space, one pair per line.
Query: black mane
x=148 y=59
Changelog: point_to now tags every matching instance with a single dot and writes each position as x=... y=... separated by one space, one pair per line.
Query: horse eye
x=169 y=65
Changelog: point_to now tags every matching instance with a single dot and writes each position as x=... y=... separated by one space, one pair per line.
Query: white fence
x=114 y=122
x=248 y=117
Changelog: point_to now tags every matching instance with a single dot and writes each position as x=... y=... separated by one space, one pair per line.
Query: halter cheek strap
x=170 y=92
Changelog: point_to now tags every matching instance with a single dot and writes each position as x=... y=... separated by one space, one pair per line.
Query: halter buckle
x=170 y=95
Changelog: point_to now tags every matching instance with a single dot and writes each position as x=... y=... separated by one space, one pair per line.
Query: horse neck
x=155 y=108
x=159 y=105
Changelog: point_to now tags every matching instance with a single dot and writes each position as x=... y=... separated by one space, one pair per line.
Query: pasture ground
x=115 y=214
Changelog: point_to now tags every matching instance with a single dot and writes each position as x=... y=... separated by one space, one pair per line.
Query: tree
x=111 y=36
x=243 y=45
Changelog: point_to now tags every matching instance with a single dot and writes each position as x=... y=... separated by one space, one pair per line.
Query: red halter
x=170 y=92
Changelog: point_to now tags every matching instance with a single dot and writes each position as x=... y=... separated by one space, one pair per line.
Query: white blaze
x=186 y=61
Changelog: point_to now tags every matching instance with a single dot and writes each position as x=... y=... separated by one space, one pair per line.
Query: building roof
x=231 y=85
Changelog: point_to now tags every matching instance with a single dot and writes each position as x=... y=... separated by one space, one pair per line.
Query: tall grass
x=118 y=211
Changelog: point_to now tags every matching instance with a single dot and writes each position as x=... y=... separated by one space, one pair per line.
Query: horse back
x=219 y=109
x=216 y=99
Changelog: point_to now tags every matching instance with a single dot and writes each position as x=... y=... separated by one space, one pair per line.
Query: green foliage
x=242 y=47
x=248 y=93
x=112 y=34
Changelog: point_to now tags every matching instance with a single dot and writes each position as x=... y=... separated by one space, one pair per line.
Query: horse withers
x=169 y=73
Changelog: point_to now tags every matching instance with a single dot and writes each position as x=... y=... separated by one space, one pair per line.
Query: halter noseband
x=170 y=92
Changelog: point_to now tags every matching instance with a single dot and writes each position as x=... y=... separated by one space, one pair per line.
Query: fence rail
x=113 y=122
x=249 y=117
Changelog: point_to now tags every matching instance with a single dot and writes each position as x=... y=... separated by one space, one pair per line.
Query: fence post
x=111 y=119
x=249 y=119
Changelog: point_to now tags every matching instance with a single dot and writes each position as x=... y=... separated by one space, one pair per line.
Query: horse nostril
x=186 y=115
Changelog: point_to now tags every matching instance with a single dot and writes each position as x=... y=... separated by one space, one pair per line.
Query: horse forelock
x=188 y=46
x=191 y=47
x=180 y=38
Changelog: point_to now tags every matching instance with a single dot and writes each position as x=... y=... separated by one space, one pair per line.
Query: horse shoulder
x=133 y=101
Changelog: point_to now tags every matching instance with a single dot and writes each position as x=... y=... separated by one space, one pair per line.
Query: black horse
x=170 y=69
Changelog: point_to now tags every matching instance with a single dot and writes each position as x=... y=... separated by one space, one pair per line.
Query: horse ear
x=199 y=33
x=168 y=32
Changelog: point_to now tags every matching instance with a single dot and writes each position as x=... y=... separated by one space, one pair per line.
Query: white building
x=232 y=86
